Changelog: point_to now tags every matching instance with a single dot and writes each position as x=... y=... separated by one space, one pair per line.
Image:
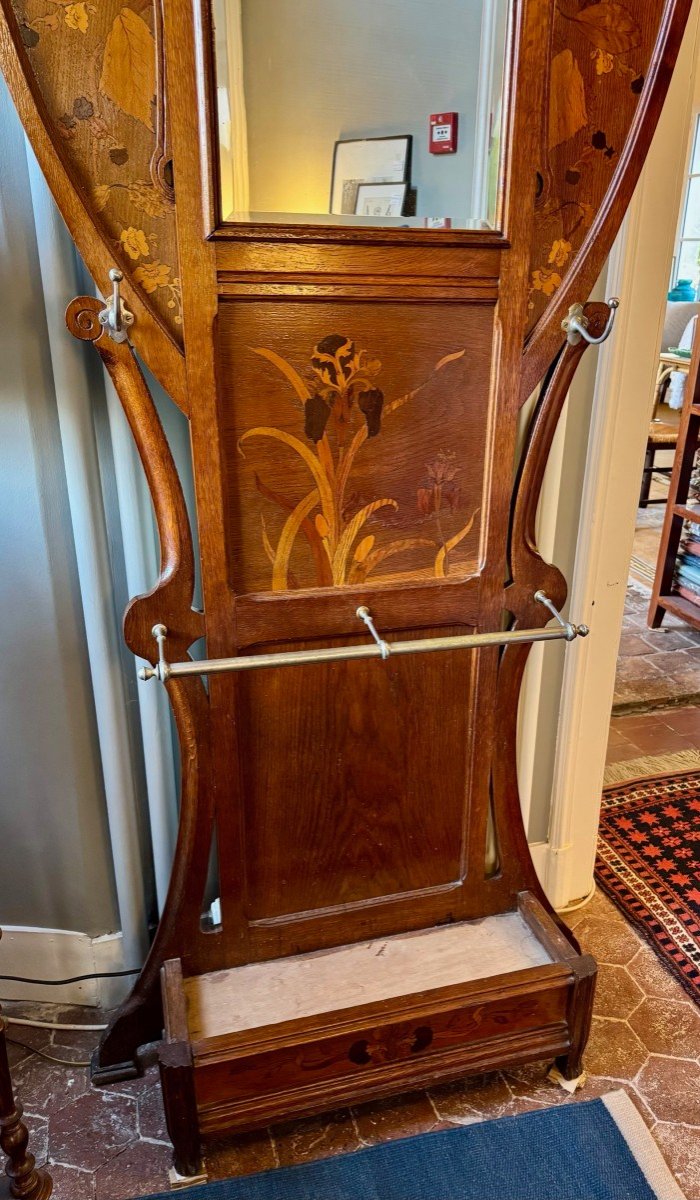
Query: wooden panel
x=97 y=68
x=345 y=756
x=373 y=418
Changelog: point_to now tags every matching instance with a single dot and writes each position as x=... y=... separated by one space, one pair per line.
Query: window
x=686 y=262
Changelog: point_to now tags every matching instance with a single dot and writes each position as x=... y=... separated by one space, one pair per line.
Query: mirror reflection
x=360 y=112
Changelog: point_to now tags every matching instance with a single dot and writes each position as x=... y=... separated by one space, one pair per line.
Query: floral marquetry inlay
x=96 y=65
x=601 y=53
x=350 y=536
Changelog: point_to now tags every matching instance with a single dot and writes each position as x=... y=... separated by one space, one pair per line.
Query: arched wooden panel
x=88 y=81
x=610 y=66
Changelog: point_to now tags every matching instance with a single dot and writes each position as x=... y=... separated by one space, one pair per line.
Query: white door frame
x=638 y=272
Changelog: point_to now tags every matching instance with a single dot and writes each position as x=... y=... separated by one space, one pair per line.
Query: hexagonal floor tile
x=668 y=1027
x=598 y=906
x=467 y=1100
x=396 y=1117
x=71 y=1184
x=243 y=1154
x=653 y=977
x=616 y=993
x=671 y=1087
x=315 y=1137
x=43 y=1087
x=140 y=1168
x=151 y=1115
x=610 y=942
x=614 y=1050
x=87 y=1132
x=681 y=1149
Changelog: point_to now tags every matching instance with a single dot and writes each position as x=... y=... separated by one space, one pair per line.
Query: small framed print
x=367 y=160
x=381 y=199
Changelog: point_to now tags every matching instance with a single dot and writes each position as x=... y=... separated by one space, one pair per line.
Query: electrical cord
x=51 y=1024
x=73 y=978
x=61 y=983
x=64 y=1062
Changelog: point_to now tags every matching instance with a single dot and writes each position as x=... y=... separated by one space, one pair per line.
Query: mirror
x=361 y=112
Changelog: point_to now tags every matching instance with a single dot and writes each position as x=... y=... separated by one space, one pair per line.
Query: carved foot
x=138 y=1022
x=570 y=1067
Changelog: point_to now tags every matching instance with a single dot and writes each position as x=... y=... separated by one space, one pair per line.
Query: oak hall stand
x=370 y=574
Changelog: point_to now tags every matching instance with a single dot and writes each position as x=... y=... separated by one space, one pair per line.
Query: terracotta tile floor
x=110 y=1145
x=664 y=731
x=655 y=667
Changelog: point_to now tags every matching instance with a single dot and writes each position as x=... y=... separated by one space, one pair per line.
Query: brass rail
x=378 y=648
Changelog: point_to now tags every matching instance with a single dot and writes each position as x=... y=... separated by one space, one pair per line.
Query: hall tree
x=370 y=575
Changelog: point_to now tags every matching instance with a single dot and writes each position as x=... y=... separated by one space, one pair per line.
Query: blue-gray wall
x=54 y=844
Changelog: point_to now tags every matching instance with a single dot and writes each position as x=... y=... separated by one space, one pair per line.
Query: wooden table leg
x=26 y=1182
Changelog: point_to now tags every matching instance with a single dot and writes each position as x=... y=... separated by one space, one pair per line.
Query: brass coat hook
x=115 y=316
x=575 y=325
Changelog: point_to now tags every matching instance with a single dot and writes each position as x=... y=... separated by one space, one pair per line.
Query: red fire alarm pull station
x=443 y=133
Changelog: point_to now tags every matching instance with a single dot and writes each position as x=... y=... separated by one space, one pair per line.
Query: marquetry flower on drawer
x=152 y=275
x=559 y=254
x=136 y=245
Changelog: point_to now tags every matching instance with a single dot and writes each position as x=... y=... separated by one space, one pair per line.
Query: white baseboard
x=61 y=954
x=553 y=869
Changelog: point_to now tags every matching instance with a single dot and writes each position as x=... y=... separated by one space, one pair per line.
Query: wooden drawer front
x=365 y=1050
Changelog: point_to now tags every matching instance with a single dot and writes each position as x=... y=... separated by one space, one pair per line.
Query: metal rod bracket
x=365 y=615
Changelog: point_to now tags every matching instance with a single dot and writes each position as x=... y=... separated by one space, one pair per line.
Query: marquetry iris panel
x=354 y=440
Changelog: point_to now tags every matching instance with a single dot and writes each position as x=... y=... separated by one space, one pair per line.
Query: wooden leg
x=580 y=1016
x=646 y=476
x=181 y=1118
x=138 y=1021
x=26 y=1182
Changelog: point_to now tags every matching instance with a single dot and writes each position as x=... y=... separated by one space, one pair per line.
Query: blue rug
x=596 y=1150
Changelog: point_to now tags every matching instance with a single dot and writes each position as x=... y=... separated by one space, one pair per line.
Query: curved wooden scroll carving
x=97 y=156
x=529 y=572
x=170 y=601
x=610 y=69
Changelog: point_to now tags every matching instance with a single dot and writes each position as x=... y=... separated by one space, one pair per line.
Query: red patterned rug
x=649 y=863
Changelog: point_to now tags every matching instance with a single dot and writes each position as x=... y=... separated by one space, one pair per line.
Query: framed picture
x=381 y=199
x=367 y=160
